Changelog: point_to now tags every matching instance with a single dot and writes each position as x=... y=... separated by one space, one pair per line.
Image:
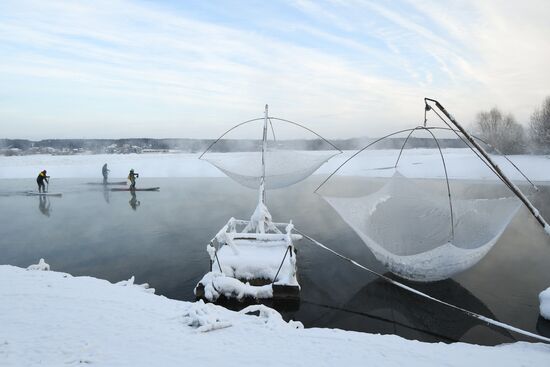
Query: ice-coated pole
x=497 y=169
x=264 y=149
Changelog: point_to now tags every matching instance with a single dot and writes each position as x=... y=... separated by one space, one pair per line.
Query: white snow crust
x=49 y=318
x=417 y=163
x=544 y=298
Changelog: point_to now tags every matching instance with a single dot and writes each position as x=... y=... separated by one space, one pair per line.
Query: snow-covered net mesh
x=282 y=167
x=425 y=213
x=408 y=228
x=293 y=153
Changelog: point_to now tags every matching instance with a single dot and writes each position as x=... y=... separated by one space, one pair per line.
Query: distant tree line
x=224 y=145
x=500 y=131
x=504 y=134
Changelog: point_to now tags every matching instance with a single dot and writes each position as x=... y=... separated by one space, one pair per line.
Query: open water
x=161 y=237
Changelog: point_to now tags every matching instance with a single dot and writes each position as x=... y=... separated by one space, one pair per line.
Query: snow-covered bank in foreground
x=52 y=319
x=425 y=163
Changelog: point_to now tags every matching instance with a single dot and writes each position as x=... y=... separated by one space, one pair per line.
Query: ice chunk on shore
x=42 y=265
x=131 y=282
x=270 y=317
x=544 y=298
x=204 y=317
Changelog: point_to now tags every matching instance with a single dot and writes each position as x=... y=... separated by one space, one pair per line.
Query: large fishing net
x=282 y=167
x=408 y=228
x=428 y=225
x=292 y=154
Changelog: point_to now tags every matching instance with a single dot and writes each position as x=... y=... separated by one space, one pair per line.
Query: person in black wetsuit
x=40 y=181
x=132 y=177
x=105 y=171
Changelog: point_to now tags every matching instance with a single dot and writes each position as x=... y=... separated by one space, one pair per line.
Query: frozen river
x=160 y=237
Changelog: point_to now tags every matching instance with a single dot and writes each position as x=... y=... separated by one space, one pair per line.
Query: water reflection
x=44 y=205
x=134 y=202
x=380 y=307
x=543 y=326
x=106 y=194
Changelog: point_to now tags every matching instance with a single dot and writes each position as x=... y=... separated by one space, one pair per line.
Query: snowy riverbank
x=52 y=319
x=424 y=163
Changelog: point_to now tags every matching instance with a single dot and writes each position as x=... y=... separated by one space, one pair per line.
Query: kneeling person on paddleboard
x=132 y=177
x=40 y=181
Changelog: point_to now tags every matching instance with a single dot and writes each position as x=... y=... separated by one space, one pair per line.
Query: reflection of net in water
x=408 y=228
x=282 y=167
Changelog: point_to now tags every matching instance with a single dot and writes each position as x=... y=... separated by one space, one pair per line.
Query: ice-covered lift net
x=281 y=162
x=282 y=167
x=427 y=230
x=408 y=228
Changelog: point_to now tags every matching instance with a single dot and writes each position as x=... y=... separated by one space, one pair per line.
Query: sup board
x=140 y=189
x=108 y=183
x=36 y=193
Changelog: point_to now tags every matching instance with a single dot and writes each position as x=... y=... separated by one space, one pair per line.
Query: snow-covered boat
x=256 y=258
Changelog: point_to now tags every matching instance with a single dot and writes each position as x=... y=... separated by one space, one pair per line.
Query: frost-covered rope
x=417 y=292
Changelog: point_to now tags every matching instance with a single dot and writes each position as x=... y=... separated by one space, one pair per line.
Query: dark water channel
x=160 y=237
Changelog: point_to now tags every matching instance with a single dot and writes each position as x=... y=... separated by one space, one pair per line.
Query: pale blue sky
x=98 y=69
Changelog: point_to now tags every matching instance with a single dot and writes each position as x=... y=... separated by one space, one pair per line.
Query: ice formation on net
x=282 y=167
x=408 y=228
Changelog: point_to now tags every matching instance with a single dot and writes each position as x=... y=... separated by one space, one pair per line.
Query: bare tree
x=539 y=128
x=502 y=132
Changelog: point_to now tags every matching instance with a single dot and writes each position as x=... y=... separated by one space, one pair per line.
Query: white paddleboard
x=36 y=193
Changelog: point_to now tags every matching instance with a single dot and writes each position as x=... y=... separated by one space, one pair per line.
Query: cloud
x=346 y=68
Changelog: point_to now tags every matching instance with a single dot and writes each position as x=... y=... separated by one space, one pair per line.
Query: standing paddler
x=132 y=177
x=40 y=181
x=105 y=171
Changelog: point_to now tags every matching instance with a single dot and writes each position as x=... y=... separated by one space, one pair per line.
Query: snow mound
x=544 y=298
x=131 y=283
x=204 y=317
x=52 y=319
x=217 y=284
x=270 y=317
x=42 y=266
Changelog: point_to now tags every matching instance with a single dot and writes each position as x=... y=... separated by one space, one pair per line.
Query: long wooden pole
x=497 y=169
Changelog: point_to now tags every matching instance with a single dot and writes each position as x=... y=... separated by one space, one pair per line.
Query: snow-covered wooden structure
x=256 y=258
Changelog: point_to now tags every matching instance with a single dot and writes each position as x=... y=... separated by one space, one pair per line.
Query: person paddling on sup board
x=105 y=171
x=132 y=177
x=40 y=181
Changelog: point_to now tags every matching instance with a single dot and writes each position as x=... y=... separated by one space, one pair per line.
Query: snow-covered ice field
x=54 y=319
x=418 y=163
